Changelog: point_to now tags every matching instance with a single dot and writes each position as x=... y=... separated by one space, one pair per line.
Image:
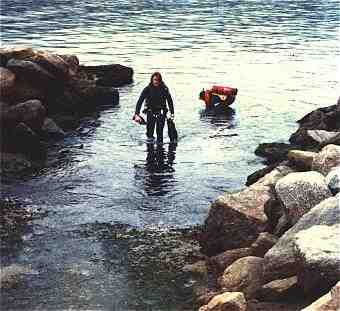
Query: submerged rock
x=300 y=192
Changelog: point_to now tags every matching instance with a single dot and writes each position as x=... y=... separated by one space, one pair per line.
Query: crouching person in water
x=156 y=94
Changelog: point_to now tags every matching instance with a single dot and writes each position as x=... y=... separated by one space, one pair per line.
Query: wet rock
x=11 y=276
x=333 y=180
x=25 y=140
x=301 y=159
x=323 y=138
x=226 y=302
x=317 y=250
x=109 y=75
x=67 y=122
x=52 y=130
x=274 y=152
x=281 y=260
x=217 y=264
x=235 y=220
x=244 y=275
x=31 y=112
x=326 y=159
x=13 y=163
x=31 y=71
x=279 y=290
x=264 y=242
x=328 y=302
x=300 y=192
x=7 y=82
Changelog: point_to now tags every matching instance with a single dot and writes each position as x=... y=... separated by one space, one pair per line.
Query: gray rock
x=326 y=159
x=281 y=260
x=300 y=192
x=323 y=138
x=264 y=242
x=51 y=129
x=333 y=180
x=317 y=250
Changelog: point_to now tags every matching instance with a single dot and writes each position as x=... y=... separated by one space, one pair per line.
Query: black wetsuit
x=156 y=109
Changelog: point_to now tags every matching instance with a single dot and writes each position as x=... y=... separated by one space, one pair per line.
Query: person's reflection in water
x=159 y=167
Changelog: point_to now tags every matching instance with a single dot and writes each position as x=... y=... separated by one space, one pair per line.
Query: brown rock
x=328 y=302
x=244 y=275
x=264 y=242
x=278 y=289
x=73 y=64
x=226 y=302
x=301 y=159
x=7 y=81
x=219 y=263
x=17 y=53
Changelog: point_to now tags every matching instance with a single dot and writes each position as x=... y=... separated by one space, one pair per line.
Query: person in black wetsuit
x=156 y=95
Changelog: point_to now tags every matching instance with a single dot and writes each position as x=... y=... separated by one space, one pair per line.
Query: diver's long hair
x=159 y=76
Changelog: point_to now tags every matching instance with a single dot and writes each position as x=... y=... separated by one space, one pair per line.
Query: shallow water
x=283 y=57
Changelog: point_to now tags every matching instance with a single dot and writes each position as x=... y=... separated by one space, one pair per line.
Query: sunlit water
x=283 y=57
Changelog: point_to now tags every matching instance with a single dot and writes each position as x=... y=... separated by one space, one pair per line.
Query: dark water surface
x=114 y=206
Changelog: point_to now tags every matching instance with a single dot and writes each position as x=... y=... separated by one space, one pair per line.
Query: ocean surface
x=114 y=209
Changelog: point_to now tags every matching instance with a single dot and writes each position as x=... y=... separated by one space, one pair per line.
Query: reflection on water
x=282 y=56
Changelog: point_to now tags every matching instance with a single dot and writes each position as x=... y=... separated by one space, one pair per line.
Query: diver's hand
x=136 y=118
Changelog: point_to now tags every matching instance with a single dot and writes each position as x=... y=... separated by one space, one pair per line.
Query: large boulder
x=109 y=75
x=244 y=275
x=300 y=192
x=317 y=249
x=326 y=159
x=226 y=302
x=7 y=82
x=73 y=64
x=323 y=138
x=281 y=260
x=236 y=219
x=31 y=112
x=333 y=180
x=328 y=302
x=32 y=72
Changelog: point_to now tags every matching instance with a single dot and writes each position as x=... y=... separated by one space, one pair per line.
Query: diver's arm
x=170 y=102
x=140 y=101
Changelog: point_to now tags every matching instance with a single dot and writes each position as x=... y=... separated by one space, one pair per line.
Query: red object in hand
x=138 y=119
x=224 y=90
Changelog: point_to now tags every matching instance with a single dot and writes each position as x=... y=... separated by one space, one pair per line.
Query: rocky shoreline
x=274 y=245
x=45 y=96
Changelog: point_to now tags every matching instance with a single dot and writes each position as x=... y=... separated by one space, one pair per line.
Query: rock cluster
x=278 y=239
x=45 y=95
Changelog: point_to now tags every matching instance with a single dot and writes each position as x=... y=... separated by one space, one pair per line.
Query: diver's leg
x=150 y=125
x=160 y=127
